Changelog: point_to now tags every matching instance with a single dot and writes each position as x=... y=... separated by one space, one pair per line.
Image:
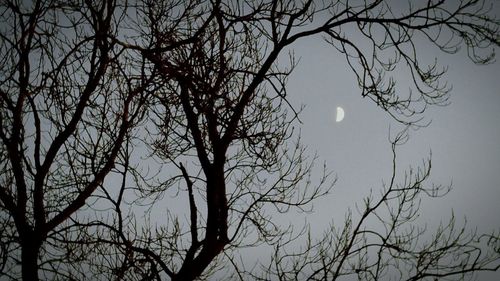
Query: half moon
x=340 y=114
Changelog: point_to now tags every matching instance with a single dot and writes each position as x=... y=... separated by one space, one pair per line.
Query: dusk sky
x=163 y=176
x=464 y=137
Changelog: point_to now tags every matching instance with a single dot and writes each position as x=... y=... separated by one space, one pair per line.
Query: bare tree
x=66 y=110
x=385 y=241
x=221 y=130
x=222 y=123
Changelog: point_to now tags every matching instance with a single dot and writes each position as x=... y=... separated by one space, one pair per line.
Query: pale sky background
x=464 y=137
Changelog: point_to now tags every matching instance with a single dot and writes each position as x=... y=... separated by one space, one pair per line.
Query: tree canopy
x=114 y=111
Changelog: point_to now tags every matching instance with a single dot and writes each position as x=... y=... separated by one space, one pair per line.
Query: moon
x=340 y=114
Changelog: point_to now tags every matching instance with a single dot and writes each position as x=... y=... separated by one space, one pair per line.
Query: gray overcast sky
x=464 y=137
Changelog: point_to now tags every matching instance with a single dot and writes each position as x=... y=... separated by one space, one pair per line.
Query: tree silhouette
x=66 y=112
x=385 y=243
x=135 y=106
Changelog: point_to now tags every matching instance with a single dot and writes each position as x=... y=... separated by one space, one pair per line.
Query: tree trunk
x=29 y=259
x=196 y=267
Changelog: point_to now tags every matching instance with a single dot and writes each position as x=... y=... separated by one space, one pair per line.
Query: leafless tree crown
x=114 y=111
